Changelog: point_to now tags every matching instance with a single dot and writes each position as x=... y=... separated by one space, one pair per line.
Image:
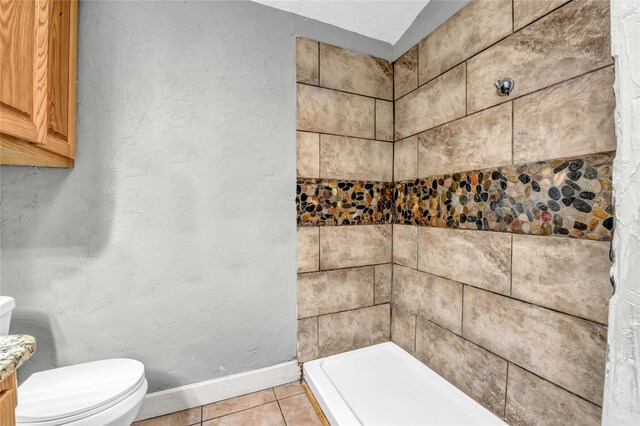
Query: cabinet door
x=24 y=41
x=61 y=94
x=8 y=400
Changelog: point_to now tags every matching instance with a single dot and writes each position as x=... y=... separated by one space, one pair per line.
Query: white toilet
x=98 y=393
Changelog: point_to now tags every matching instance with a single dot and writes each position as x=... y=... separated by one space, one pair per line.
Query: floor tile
x=180 y=418
x=289 y=389
x=298 y=411
x=222 y=408
x=264 y=415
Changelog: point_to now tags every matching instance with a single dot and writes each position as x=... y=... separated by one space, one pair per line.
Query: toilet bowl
x=99 y=393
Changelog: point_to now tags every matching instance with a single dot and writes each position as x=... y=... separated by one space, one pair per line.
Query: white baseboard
x=196 y=394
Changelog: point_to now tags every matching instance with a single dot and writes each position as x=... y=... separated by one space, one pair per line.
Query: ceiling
x=381 y=20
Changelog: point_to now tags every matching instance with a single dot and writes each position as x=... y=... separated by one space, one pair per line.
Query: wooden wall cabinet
x=38 y=60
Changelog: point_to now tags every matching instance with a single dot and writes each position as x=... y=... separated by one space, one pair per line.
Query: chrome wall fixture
x=611 y=259
x=504 y=86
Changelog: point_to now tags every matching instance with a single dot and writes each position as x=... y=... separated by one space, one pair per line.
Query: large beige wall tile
x=569 y=119
x=349 y=246
x=307 y=339
x=474 y=142
x=526 y=11
x=473 y=370
x=475 y=27
x=306 y=61
x=405 y=159
x=384 y=120
x=437 y=102
x=405 y=245
x=354 y=72
x=564 y=44
x=334 y=291
x=563 y=274
x=307 y=155
x=431 y=297
x=354 y=329
x=478 y=258
x=356 y=159
x=327 y=111
x=533 y=401
x=563 y=349
x=308 y=248
x=403 y=328
x=405 y=72
x=383 y=277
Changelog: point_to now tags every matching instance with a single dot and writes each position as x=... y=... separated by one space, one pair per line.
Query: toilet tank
x=6 y=307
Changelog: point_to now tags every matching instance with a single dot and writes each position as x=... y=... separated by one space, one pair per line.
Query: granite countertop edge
x=14 y=351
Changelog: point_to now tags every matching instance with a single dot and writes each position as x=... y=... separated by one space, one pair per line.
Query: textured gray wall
x=173 y=239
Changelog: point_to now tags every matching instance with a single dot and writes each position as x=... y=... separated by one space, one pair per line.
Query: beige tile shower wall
x=569 y=42
x=518 y=322
x=345 y=132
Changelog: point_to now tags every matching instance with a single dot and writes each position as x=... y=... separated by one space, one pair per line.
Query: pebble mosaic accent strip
x=570 y=197
x=343 y=202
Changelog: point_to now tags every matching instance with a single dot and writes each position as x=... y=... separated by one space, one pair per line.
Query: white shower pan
x=385 y=385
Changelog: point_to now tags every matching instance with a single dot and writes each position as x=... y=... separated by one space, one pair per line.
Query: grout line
x=513 y=16
x=319 y=156
x=315 y=225
x=486 y=169
x=341 y=90
x=318 y=64
x=393 y=211
x=511 y=268
x=375 y=116
x=462 y=313
x=506 y=360
x=417 y=70
x=508 y=296
x=318 y=337
x=506 y=390
x=342 y=136
x=359 y=308
x=281 y=412
x=415 y=332
x=373 y=286
x=490 y=231
x=319 y=250
x=466 y=88
x=417 y=245
x=390 y=320
x=513 y=126
x=539 y=17
x=239 y=411
x=343 y=269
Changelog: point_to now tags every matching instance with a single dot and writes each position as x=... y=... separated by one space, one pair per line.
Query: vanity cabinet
x=38 y=59
x=8 y=400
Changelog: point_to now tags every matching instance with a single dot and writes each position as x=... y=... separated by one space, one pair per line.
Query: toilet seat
x=69 y=394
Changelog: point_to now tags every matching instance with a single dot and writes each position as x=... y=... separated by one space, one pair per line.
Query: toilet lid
x=77 y=389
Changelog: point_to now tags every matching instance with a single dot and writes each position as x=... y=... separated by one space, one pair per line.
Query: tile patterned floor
x=286 y=405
